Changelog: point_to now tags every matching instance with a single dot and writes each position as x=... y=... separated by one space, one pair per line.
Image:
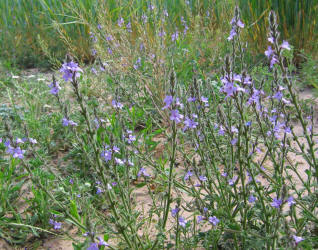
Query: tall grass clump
x=26 y=23
x=42 y=32
x=35 y=31
x=298 y=18
x=140 y=42
x=155 y=158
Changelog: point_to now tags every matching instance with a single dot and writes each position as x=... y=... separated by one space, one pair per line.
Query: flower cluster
x=16 y=152
x=56 y=225
x=55 y=88
x=66 y=123
x=236 y=25
x=70 y=70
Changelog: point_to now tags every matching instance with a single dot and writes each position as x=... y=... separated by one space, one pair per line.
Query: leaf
x=106 y=237
x=140 y=185
x=74 y=211
x=308 y=172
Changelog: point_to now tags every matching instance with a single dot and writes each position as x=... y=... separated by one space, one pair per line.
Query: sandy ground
x=143 y=199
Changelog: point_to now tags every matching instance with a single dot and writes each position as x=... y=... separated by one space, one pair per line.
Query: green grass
x=41 y=32
x=298 y=22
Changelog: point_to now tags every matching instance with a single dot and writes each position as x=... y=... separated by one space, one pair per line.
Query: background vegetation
x=35 y=30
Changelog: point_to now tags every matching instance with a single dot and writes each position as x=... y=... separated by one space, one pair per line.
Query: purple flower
x=18 y=153
x=175 y=116
x=19 y=140
x=188 y=175
x=144 y=18
x=229 y=89
x=143 y=172
x=56 y=225
x=188 y=123
x=102 y=242
x=251 y=199
x=276 y=203
x=309 y=129
x=55 y=88
x=107 y=154
x=269 y=52
x=185 y=30
x=273 y=61
x=234 y=141
x=168 y=101
x=200 y=218
x=202 y=178
x=178 y=103
x=221 y=131
x=205 y=100
x=151 y=7
x=175 y=211
x=232 y=34
x=69 y=69
x=15 y=152
x=93 y=37
x=240 y=24
x=71 y=181
x=285 y=45
x=273 y=119
x=254 y=99
x=109 y=38
x=94 y=71
x=161 y=33
x=297 y=239
x=131 y=138
x=191 y=99
x=278 y=95
x=93 y=246
x=94 y=52
x=116 y=149
x=141 y=47
x=72 y=123
x=119 y=161
x=66 y=122
x=182 y=222
x=234 y=129
x=213 y=220
x=174 y=36
x=33 y=141
x=120 y=21
x=290 y=201
x=271 y=40
x=117 y=104
x=232 y=181
x=128 y=27
x=7 y=143
x=137 y=63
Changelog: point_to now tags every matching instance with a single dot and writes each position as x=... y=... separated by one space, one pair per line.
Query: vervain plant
x=224 y=178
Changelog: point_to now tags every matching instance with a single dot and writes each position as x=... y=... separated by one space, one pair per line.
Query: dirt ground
x=143 y=199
